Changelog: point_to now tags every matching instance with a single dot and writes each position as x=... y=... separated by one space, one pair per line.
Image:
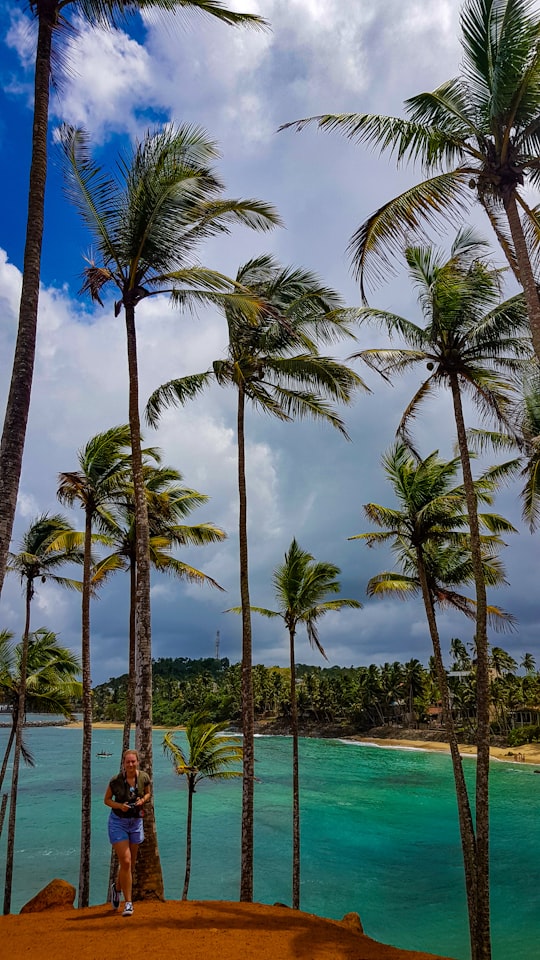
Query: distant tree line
x=400 y=694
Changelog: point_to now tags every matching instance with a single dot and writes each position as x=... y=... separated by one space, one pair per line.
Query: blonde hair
x=124 y=755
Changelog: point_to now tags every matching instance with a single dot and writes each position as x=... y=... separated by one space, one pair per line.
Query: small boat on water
x=103 y=753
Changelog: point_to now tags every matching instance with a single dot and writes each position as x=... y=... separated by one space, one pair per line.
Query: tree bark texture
x=248 y=765
x=483 y=928
x=18 y=402
x=466 y=825
x=295 y=780
x=86 y=753
x=148 y=883
x=526 y=275
x=21 y=712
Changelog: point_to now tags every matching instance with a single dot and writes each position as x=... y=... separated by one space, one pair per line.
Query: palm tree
x=51 y=682
x=301 y=585
x=477 y=138
x=524 y=434
x=53 y=24
x=147 y=224
x=471 y=343
x=168 y=502
x=427 y=533
x=49 y=543
x=209 y=756
x=264 y=366
x=528 y=663
x=462 y=659
x=103 y=465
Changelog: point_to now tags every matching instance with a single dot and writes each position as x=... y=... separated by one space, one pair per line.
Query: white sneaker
x=115 y=896
x=128 y=909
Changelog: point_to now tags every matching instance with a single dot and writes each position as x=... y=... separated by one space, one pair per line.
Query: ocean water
x=379 y=836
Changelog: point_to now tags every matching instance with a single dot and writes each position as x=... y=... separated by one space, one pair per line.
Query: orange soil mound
x=200 y=930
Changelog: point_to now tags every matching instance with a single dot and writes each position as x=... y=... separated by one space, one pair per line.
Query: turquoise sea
x=379 y=836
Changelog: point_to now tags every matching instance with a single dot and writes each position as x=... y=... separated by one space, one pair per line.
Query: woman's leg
x=124 y=881
x=133 y=849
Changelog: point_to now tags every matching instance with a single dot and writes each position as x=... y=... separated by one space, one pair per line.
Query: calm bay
x=379 y=836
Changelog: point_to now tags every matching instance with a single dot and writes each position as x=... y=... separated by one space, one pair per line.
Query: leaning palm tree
x=103 y=468
x=49 y=543
x=209 y=756
x=301 y=586
x=428 y=532
x=52 y=683
x=476 y=136
x=54 y=24
x=272 y=362
x=147 y=223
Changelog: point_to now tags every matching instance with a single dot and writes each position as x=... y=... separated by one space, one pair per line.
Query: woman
x=126 y=795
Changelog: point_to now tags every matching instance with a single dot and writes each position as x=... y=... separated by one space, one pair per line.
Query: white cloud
x=304 y=480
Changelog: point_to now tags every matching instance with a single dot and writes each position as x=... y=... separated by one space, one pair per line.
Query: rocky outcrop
x=57 y=895
x=353 y=922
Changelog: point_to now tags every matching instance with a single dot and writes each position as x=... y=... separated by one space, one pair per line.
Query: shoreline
x=527 y=753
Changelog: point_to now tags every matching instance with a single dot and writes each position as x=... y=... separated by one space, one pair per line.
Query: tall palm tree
x=51 y=682
x=103 y=466
x=147 y=224
x=428 y=532
x=301 y=586
x=49 y=543
x=209 y=756
x=169 y=503
x=473 y=344
x=477 y=138
x=54 y=23
x=264 y=365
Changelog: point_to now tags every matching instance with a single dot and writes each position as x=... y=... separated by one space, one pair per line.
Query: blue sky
x=304 y=479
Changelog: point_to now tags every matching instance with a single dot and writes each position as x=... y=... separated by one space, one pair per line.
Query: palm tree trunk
x=3 y=806
x=466 y=826
x=86 y=757
x=191 y=791
x=148 y=877
x=130 y=699
x=21 y=712
x=248 y=764
x=296 y=780
x=132 y=672
x=483 y=930
x=7 y=751
x=526 y=275
x=18 y=402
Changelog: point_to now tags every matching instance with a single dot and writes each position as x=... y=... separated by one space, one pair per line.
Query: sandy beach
x=528 y=753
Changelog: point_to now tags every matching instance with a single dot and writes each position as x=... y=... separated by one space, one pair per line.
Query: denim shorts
x=125 y=828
